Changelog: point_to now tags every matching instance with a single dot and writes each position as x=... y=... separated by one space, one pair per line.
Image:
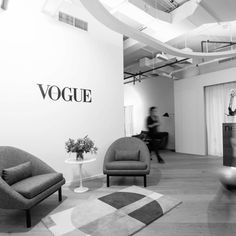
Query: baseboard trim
x=75 y=181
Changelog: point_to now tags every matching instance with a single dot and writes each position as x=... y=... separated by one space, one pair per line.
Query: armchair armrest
x=9 y=198
x=110 y=155
x=145 y=156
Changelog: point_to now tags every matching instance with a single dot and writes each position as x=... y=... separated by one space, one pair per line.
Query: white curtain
x=216 y=102
x=128 y=113
x=214 y=96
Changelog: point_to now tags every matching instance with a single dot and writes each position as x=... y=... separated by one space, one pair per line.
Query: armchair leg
x=28 y=218
x=145 y=181
x=108 y=183
x=59 y=195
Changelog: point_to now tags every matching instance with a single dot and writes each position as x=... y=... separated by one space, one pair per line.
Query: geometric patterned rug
x=124 y=212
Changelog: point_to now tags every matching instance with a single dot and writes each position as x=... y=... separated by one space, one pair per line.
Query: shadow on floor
x=92 y=184
x=124 y=181
x=13 y=221
x=221 y=213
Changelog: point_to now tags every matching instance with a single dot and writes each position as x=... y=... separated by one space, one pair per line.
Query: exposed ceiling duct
x=205 y=67
x=159 y=61
x=150 y=63
x=100 y=13
x=158 y=70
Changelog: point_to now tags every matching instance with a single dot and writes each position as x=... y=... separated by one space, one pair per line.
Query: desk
x=81 y=188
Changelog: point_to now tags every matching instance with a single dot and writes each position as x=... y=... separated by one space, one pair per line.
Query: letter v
x=44 y=93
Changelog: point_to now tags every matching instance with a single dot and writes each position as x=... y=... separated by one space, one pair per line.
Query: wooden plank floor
x=192 y=179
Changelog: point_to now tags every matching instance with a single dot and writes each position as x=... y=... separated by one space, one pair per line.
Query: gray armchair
x=127 y=156
x=36 y=180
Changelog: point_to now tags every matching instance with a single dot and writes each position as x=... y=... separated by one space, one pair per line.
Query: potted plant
x=80 y=146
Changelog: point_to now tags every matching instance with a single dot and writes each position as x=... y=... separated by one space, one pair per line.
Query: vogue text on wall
x=67 y=94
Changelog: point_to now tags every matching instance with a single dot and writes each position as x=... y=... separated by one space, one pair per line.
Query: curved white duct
x=102 y=15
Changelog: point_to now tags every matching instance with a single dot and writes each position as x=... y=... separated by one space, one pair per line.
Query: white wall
x=36 y=48
x=190 y=127
x=152 y=92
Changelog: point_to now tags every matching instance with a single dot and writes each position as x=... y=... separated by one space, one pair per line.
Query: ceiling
x=180 y=27
x=196 y=25
x=166 y=6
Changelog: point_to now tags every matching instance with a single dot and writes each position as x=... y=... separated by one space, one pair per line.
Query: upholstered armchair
x=127 y=156
x=25 y=180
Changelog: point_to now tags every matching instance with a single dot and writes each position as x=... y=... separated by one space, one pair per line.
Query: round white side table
x=81 y=188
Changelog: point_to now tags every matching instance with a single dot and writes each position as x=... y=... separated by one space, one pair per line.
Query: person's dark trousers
x=153 y=146
x=163 y=136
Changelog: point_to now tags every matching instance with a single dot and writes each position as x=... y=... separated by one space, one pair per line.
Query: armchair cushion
x=17 y=173
x=127 y=155
x=34 y=185
x=126 y=165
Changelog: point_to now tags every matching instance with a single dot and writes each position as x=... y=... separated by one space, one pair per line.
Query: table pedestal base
x=80 y=189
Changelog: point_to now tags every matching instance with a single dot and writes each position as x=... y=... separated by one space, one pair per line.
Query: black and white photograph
x=118 y=117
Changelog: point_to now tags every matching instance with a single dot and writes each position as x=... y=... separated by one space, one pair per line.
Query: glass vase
x=79 y=156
